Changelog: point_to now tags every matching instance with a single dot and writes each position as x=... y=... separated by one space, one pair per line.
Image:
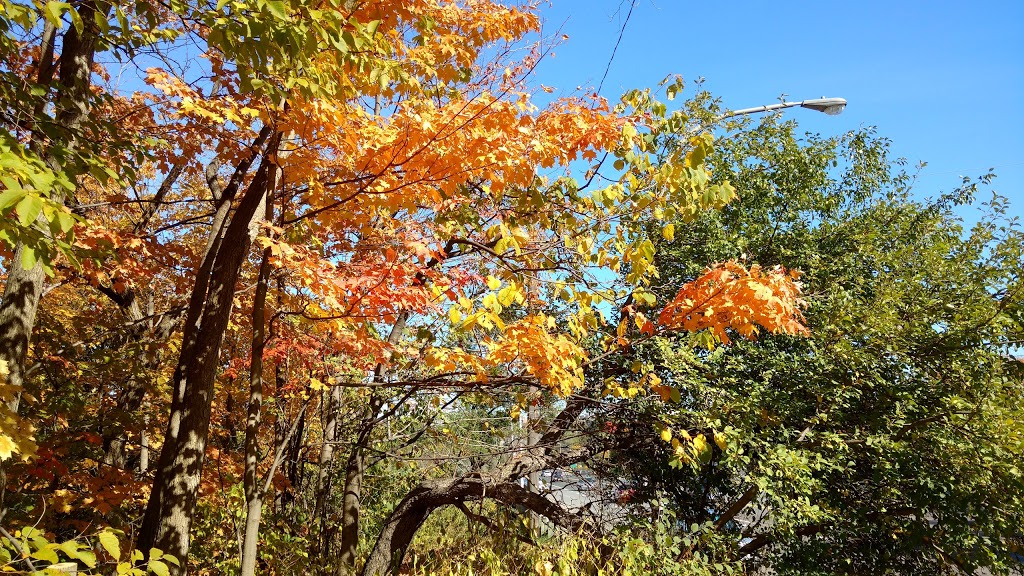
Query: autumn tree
x=48 y=150
x=299 y=200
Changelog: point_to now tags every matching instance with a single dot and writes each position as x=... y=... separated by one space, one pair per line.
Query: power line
x=622 y=33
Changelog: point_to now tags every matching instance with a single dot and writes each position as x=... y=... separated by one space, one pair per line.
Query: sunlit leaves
x=16 y=434
x=430 y=220
x=28 y=215
x=553 y=359
x=110 y=543
x=731 y=296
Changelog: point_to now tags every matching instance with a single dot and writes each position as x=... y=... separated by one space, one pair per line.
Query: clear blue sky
x=944 y=80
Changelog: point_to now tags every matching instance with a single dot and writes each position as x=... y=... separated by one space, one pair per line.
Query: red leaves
x=729 y=296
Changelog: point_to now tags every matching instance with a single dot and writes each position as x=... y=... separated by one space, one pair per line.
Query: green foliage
x=273 y=44
x=28 y=214
x=655 y=545
x=41 y=160
x=31 y=551
x=889 y=439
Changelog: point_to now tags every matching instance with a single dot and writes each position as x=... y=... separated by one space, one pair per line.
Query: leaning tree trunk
x=325 y=475
x=250 y=480
x=396 y=535
x=175 y=488
x=407 y=518
x=500 y=484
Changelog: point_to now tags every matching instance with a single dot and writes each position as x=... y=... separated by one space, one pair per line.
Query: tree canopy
x=887 y=438
x=290 y=283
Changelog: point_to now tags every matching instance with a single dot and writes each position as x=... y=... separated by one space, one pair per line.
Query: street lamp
x=830 y=106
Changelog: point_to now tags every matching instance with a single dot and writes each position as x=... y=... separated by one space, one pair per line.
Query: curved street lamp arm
x=830 y=106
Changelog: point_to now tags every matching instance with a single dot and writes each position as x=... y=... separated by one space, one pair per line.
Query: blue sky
x=943 y=80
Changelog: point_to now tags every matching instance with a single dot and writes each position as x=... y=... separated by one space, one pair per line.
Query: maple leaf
x=7 y=446
x=15 y=432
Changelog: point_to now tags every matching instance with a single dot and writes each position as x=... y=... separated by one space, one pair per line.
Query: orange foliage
x=730 y=296
x=554 y=360
x=428 y=186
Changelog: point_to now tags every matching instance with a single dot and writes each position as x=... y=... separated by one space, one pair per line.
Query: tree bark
x=172 y=501
x=250 y=481
x=350 y=510
x=282 y=500
x=352 y=499
x=24 y=287
x=17 y=318
x=394 y=539
x=144 y=446
x=532 y=439
x=325 y=476
x=296 y=445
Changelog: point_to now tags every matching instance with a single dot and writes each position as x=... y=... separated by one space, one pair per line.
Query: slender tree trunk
x=532 y=439
x=296 y=445
x=175 y=489
x=250 y=481
x=282 y=500
x=325 y=475
x=350 y=510
x=352 y=499
x=291 y=466
x=144 y=445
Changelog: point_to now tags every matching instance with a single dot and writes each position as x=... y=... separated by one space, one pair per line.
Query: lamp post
x=830 y=106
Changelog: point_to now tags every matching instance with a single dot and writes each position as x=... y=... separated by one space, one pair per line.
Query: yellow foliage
x=16 y=435
x=555 y=360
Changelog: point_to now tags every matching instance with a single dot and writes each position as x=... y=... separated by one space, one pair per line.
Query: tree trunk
x=396 y=535
x=350 y=509
x=532 y=439
x=325 y=476
x=293 y=459
x=407 y=518
x=17 y=317
x=250 y=481
x=291 y=439
x=175 y=488
x=24 y=287
x=352 y=500
x=282 y=501
x=144 y=446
